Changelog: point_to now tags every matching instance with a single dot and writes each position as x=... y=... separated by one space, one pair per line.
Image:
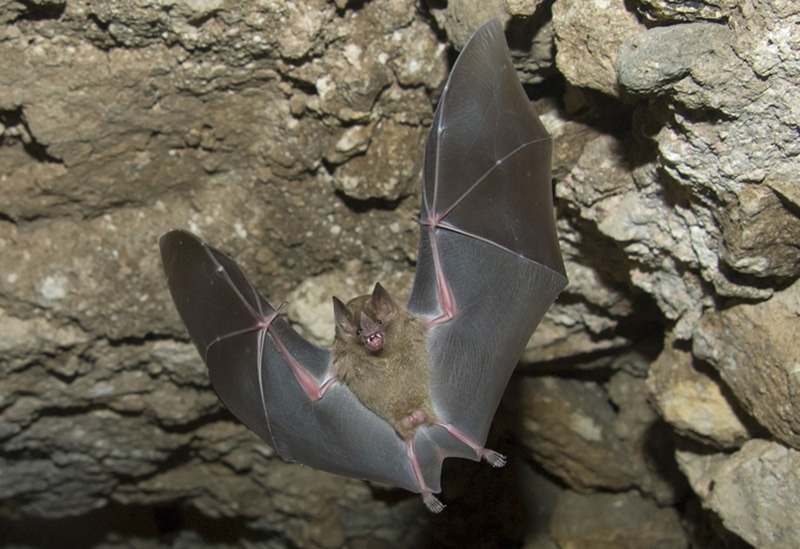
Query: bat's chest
x=394 y=386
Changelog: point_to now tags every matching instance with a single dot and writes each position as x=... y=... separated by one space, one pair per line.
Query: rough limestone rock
x=569 y=428
x=656 y=404
x=614 y=520
x=593 y=436
x=696 y=403
x=588 y=35
x=754 y=349
x=753 y=490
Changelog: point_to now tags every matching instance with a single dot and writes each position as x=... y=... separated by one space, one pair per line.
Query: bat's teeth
x=375 y=341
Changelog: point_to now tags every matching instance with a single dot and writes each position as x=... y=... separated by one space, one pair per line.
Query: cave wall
x=657 y=404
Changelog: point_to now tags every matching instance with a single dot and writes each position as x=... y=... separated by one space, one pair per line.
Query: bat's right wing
x=247 y=348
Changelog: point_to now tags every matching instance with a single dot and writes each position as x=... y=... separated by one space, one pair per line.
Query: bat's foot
x=432 y=503
x=495 y=459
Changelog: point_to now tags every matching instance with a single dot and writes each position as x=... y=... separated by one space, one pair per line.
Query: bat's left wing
x=489 y=254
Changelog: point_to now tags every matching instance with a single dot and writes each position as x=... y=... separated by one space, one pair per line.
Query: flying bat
x=401 y=389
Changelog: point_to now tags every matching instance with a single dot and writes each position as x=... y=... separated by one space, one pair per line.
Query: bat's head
x=365 y=319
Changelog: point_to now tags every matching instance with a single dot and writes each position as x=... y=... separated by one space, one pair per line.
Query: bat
x=401 y=389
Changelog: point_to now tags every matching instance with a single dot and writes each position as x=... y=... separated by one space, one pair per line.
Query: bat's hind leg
x=495 y=459
x=431 y=502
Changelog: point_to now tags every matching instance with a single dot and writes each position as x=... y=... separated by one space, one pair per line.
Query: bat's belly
x=398 y=390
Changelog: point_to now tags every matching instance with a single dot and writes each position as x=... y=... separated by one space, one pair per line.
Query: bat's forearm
x=447 y=303
x=313 y=388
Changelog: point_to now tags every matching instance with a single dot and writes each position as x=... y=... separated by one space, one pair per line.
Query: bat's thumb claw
x=433 y=504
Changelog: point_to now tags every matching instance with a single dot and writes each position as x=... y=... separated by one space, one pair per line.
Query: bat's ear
x=383 y=304
x=344 y=320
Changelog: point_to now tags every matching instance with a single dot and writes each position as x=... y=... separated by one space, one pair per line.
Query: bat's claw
x=495 y=459
x=432 y=503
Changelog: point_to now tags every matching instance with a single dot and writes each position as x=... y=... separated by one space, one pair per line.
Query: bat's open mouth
x=375 y=341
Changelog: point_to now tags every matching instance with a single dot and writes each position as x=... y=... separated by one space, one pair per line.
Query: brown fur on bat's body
x=379 y=352
x=393 y=380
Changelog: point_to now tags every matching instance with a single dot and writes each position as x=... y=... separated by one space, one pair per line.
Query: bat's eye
x=380 y=321
x=358 y=332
